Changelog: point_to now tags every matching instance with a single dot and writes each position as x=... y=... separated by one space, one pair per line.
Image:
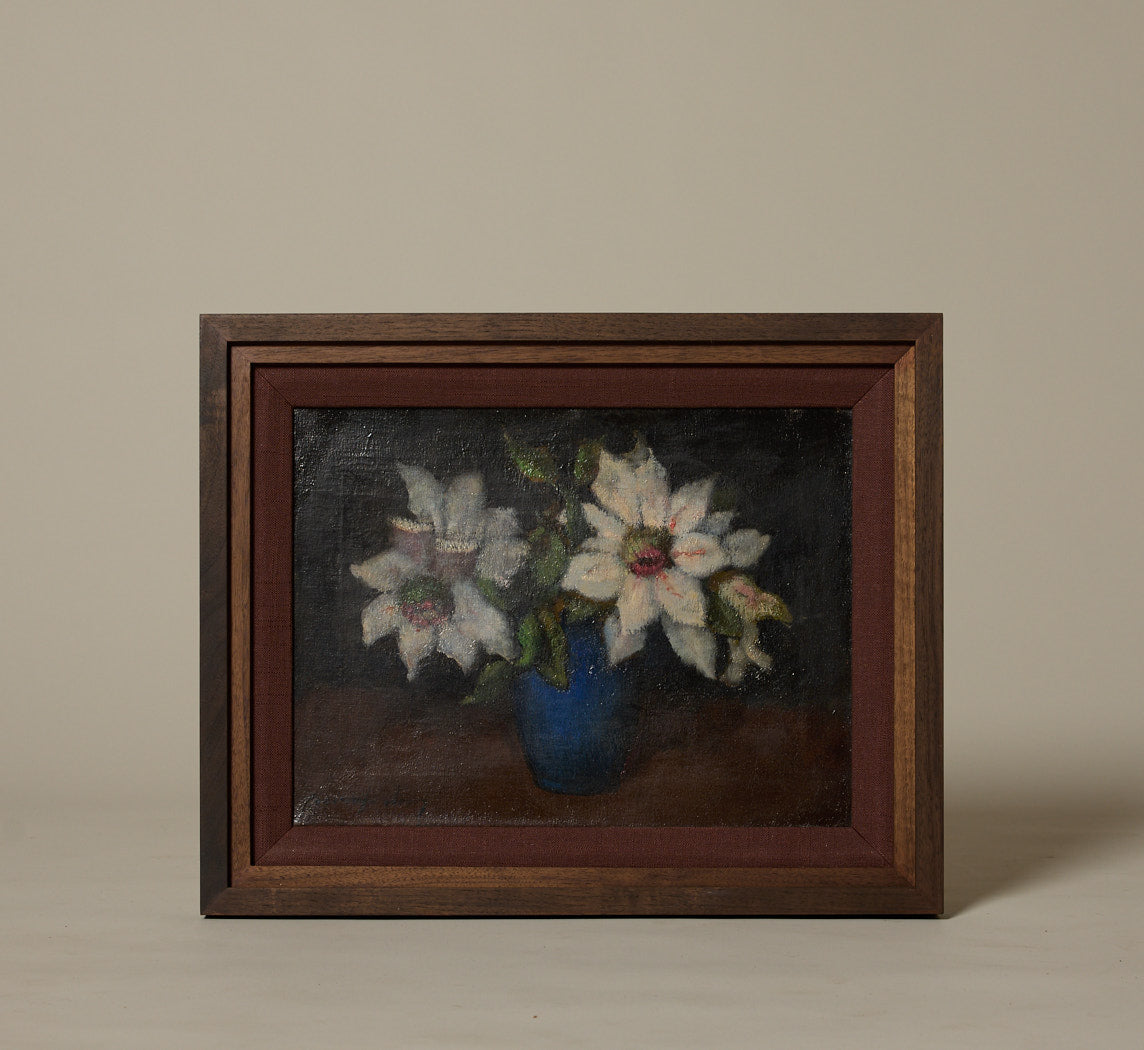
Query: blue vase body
x=577 y=740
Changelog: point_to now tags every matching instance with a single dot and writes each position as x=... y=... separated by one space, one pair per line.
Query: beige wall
x=167 y=159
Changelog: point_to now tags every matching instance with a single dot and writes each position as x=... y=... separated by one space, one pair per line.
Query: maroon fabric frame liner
x=868 y=391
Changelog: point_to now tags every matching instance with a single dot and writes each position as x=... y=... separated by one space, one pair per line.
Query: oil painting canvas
x=595 y=617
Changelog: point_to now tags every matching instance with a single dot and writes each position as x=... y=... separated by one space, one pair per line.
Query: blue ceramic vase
x=577 y=740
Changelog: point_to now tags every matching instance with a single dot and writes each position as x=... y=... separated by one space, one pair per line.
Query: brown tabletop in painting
x=384 y=757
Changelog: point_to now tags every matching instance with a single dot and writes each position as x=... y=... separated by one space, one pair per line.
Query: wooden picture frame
x=256 y=369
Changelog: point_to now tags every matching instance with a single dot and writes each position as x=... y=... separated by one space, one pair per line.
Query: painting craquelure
x=565 y=616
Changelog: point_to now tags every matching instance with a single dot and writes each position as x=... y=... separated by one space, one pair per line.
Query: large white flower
x=428 y=594
x=650 y=552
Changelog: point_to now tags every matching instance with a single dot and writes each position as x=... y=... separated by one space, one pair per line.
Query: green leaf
x=491 y=593
x=553 y=665
x=548 y=559
x=774 y=608
x=587 y=462
x=722 y=618
x=577 y=525
x=530 y=637
x=578 y=608
x=492 y=683
x=534 y=462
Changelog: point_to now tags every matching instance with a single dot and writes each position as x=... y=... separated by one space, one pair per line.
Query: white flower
x=428 y=596
x=458 y=520
x=650 y=552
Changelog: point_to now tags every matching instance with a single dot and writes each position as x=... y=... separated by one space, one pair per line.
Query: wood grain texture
x=213 y=604
x=489 y=877
x=549 y=353
x=588 y=899
x=872 y=617
x=905 y=615
x=909 y=882
x=928 y=666
x=654 y=328
x=240 y=630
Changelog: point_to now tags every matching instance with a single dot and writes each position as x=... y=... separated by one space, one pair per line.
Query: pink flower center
x=425 y=613
x=646 y=551
x=648 y=561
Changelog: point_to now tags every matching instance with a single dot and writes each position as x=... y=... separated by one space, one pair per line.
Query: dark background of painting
x=789 y=471
x=371 y=747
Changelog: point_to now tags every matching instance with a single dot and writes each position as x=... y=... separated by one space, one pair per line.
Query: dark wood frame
x=255 y=368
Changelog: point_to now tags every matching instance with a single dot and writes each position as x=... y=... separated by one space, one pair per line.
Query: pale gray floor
x=1042 y=948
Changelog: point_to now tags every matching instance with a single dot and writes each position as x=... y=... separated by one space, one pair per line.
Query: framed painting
x=571 y=614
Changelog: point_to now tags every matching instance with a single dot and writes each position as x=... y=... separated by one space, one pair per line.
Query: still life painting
x=549 y=616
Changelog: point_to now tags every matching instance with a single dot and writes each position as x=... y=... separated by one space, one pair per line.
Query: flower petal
x=454 y=560
x=385 y=571
x=621 y=644
x=681 y=596
x=718 y=522
x=756 y=655
x=504 y=549
x=742 y=594
x=458 y=646
x=689 y=506
x=654 y=492
x=603 y=544
x=380 y=618
x=745 y=547
x=414 y=644
x=638 y=606
x=426 y=497
x=604 y=523
x=500 y=561
x=479 y=621
x=414 y=539
x=595 y=575
x=736 y=663
x=465 y=508
x=638 y=454
x=501 y=523
x=695 y=646
x=742 y=651
x=698 y=554
x=615 y=488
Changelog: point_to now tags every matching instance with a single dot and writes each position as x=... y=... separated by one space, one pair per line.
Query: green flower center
x=425 y=601
x=646 y=552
